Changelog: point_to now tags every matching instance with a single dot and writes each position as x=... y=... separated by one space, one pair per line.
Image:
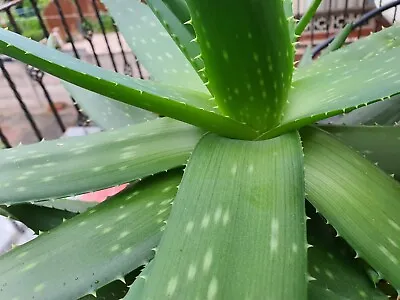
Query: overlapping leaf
x=354 y=76
x=153 y=46
x=92 y=249
x=331 y=263
x=357 y=198
x=82 y=164
x=380 y=144
x=235 y=231
x=179 y=103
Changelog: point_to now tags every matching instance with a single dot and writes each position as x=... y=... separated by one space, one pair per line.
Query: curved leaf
x=82 y=164
x=380 y=144
x=235 y=231
x=359 y=74
x=331 y=263
x=357 y=198
x=92 y=249
x=182 y=104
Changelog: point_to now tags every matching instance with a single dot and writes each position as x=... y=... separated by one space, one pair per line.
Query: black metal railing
x=331 y=17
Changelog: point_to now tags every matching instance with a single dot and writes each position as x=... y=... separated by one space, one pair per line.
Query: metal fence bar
x=65 y=25
x=39 y=16
x=96 y=9
x=12 y=20
x=127 y=66
x=4 y=140
x=52 y=107
x=362 y=13
x=328 y=19
x=21 y=102
x=87 y=31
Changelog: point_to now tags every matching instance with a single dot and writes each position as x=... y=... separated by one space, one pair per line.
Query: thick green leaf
x=307 y=17
x=380 y=144
x=356 y=75
x=180 y=10
x=179 y=32
x=382 y=113
x=82 y=164
x=357 y=198
x=307 y=58
x=331 y=263
x=235 y=230
x=248 y=54
x=37 y=218
x=105 y=112
x=153 y=46
x=182 y=104
x=288 y=7
x=93 y=248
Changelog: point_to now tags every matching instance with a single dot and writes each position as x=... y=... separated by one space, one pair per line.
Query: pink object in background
x=102 y=195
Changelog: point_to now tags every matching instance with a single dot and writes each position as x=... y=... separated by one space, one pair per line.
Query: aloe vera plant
x=238 y=192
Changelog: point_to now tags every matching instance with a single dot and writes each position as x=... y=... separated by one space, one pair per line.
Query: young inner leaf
x=248 y=55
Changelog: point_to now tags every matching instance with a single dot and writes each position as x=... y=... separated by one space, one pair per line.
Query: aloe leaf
x=153 y=46
x=109 y=241
x=35 y=217
x=115 y=290
x=181 y=11
x=105 y=112
x=354 y=76
x=182 y=104
x=307 y=58
x=136 y=290
x=229 y=215
x=288 y=7
x=307 y=17
x=249 y=75
x=382 y=113
x=179 y=32
x=379 y=144
x=332 y=265
x=339 y=40
x=357 y=198
x=72 y=205
x=82 y=164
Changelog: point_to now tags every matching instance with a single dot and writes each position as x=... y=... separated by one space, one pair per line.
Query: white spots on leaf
x=189 y=227
x=122 y=216
x=207 y=261
x=212 y=289
x=115 y=248
x=22 y=254
x=389 y=255
x=205 y=221
x=217 y=214
x=295 y=248
x=149 y=204
x=234 y=169
x=166 y=189
x=123 y=234
x=39 y=288
x=274 y=235
x=250 y=168
x=394 y=225
x=171 y=286
x=226 y=217
x=191 y=271
x=225 y=55
x=30 y=266
x=97 y=169
x=48 y=179
x=128 y=251
x=329 y=274
x=107 y=230
x=21 y=189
